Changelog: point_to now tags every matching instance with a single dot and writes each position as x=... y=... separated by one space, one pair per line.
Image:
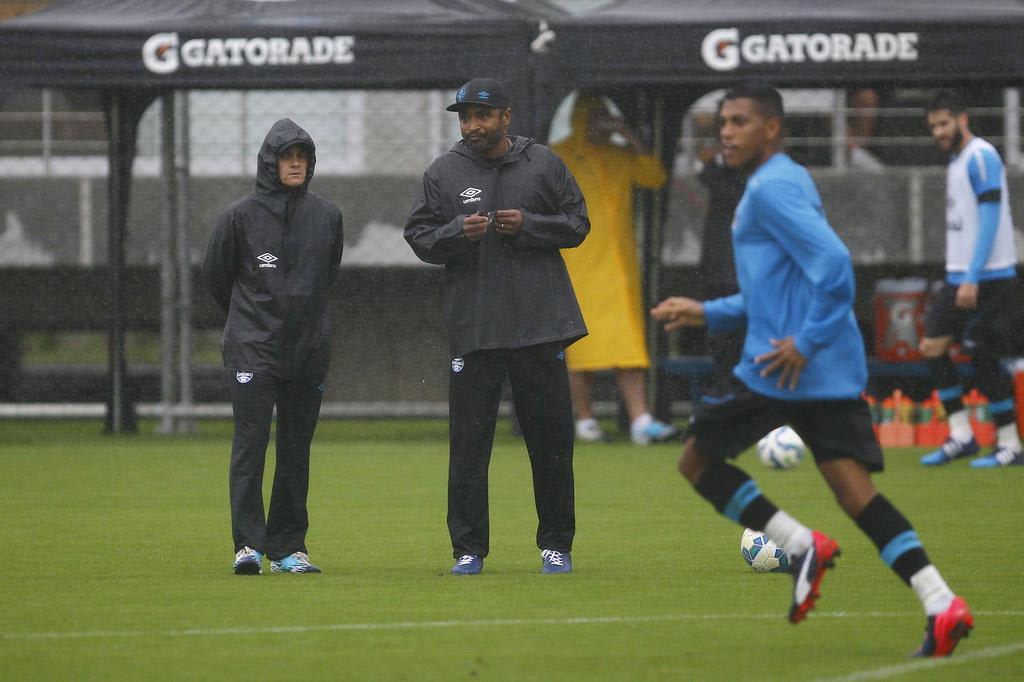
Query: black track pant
x=283 y=530
x=540 y=392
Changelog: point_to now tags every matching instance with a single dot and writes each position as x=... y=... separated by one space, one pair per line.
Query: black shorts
x=988 y=325
x=728 y=423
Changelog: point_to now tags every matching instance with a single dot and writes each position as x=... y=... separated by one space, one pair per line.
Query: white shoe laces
x=953 y=448
x=466 y=559
x=553 y=557
x=1004 y=456
x=245 y=552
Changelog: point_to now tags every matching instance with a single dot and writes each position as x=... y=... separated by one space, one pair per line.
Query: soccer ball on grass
x=781 y=449
x=761 y=554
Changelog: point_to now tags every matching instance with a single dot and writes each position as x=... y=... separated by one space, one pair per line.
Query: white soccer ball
x=781 y=449
x=761 y=554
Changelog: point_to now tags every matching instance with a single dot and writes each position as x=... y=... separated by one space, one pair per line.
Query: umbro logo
x=268 y=260
x=471 y=194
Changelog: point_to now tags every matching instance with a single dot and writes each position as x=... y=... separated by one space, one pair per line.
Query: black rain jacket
x=272 y=258
x=502 y=292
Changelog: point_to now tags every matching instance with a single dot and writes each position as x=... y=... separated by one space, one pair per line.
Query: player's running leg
x=725 y=424
x=994 y=382
x=961 y=442
x=949 y=617
x=735 y=495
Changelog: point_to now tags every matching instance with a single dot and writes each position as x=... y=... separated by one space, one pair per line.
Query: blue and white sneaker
x=950 y=450
x=296 y=562
x=248 y=562
x=655 y=432
x=553 y=561
x=1000 y=457
x=468 y=564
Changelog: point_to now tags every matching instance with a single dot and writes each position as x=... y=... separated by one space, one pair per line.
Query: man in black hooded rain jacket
x=495 y=210
x=272 y=258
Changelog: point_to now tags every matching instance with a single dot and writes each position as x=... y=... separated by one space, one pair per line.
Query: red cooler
x=899 y=318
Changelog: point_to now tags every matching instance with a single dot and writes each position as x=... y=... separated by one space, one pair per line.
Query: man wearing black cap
x=495 y=210
x=272 y=258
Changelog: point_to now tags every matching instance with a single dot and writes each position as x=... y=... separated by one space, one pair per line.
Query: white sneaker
x=654 y=432
x=589 y=431
x=248 y=562
x=296 y=562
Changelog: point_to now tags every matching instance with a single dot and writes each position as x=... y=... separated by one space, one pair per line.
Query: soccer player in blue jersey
x=978 y=295
x=803 y=364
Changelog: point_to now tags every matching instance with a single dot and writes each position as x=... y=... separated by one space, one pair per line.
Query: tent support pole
x=653 y=243
x=182 y=190
x=123 y=110
x=1011 y=127
x=168 y=270
x=116 y=422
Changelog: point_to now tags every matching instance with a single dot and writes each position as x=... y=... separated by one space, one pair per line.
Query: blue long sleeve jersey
x=796 y=279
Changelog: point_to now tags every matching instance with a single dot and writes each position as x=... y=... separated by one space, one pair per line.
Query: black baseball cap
x=485 y=91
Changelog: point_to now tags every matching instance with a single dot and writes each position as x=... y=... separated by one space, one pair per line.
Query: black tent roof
x=137 y=44
x=790 y=41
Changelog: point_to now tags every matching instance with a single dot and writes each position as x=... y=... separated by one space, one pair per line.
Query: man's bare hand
x=967 y=296
x=785 y=357
x=474 y=227
x=678 y=311
x=508 y=221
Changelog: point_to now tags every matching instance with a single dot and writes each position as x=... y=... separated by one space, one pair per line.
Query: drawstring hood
x=270 y=264
x=270 y=191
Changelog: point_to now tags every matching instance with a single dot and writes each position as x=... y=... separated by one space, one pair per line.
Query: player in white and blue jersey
x=803 y=364
x=977 y=298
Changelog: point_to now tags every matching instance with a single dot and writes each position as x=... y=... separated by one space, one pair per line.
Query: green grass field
x=116 y=564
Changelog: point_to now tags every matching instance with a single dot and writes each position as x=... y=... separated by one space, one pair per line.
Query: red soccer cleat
x=808 y=570
x=944 y=631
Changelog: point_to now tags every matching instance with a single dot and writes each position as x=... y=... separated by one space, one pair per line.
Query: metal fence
x=894 y=216
x=373 y=146
x=371 y=150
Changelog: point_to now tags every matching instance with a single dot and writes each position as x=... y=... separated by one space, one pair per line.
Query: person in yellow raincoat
x=604 y=270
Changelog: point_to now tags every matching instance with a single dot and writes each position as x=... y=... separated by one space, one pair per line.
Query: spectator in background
x=863 y=106
x=608 y=161
x=717 y=266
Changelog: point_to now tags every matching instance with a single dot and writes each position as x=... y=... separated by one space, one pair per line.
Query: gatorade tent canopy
x=138 y=44
x=796 y=42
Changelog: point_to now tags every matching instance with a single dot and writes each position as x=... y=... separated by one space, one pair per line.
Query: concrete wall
x=63 y=221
